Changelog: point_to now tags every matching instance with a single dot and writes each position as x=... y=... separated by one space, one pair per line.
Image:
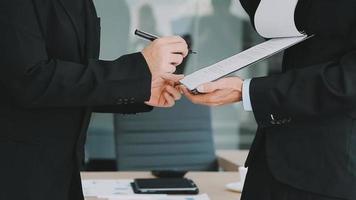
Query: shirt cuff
x=246 y=101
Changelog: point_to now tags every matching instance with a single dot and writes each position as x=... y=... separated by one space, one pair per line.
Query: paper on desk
x=160 y=197
x=133 y=197
x=273 y=19
x=98 y=188
x=122 y=190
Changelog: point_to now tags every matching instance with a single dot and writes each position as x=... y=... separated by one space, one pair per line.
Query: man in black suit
x=305 y=147
x=51 y=80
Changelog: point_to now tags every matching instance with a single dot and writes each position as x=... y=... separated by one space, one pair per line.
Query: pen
x=151 y=38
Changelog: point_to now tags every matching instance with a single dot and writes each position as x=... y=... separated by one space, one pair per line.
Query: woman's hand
x=163 y=92
x=163 y=56
x=221 y=92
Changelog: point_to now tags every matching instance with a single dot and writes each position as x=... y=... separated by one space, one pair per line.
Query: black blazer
x=50 y=81
x=311 y=140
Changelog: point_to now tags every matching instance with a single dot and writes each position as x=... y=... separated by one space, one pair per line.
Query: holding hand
x=163 y=56
x=163 y=92
x=221 y=92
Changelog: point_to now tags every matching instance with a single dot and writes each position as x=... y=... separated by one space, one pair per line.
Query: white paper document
x=98 y=188
x=271 y=21
x=160 y=197
x=239 y=61
x=121 y=190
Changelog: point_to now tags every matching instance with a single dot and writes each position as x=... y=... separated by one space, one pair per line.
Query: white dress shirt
x=246 y=101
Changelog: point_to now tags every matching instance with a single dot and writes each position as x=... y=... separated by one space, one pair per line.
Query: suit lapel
x=92 y=31
x=74 y=22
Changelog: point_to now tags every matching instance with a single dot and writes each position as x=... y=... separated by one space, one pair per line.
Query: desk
x=211 y=183
x=231 y=160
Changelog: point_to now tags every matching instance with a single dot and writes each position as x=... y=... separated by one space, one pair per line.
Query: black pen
x=151 y=38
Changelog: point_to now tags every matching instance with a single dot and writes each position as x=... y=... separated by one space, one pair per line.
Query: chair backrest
x=179 y=138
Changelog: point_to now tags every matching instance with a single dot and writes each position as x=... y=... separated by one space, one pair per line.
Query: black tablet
x=165 y=186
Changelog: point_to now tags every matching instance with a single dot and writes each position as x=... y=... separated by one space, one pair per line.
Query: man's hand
x=163 y=56
x=221 y=92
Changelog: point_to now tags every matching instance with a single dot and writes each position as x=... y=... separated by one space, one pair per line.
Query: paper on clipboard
x=270 y=23
x=239 y=61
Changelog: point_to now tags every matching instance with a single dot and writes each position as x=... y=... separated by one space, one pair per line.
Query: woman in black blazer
x=51 y=80
x=305 y=147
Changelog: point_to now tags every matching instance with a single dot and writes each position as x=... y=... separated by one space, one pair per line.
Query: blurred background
x=186 y=136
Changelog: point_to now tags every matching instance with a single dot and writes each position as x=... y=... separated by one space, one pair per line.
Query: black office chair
x=179 y=138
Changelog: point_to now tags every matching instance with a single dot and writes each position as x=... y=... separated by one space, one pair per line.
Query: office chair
x=179 y=138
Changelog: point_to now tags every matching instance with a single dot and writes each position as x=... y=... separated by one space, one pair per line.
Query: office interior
x=186 y=136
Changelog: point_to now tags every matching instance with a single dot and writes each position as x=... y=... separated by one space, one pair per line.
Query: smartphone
x=169 y=173
x=165 y=186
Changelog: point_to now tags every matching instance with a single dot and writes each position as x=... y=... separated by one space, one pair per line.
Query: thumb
x=208 y=87
x=213 y=86
x=225 y=83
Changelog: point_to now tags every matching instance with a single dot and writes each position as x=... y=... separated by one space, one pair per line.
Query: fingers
x=170 y=96
x=164 y=94
x=213 y=86
x=208 y=87
x=173 y=92
x=164 y=54
x=186 y=92
x=216 y=98
x=196 y=99
x=176 y=59
x=169 y=68
x=204 y=99
x=172 y=77
x=174 y=44
x=171 y=39
x=225 y=83
x=169 y=100
x=179 y=48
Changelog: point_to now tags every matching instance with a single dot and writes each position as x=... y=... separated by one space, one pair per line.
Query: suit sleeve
x=33 y=79
x=127 y=109
x=301 y=94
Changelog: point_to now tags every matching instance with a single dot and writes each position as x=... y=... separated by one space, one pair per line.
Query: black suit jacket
x=50 y=81
x=311 y=140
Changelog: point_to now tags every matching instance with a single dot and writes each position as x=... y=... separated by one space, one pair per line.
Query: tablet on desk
x=165 y=186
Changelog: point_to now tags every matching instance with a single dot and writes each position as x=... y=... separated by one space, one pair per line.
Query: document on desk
x=98 y=188
x=159 y=197
x=121 y=190
x=276 y=24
